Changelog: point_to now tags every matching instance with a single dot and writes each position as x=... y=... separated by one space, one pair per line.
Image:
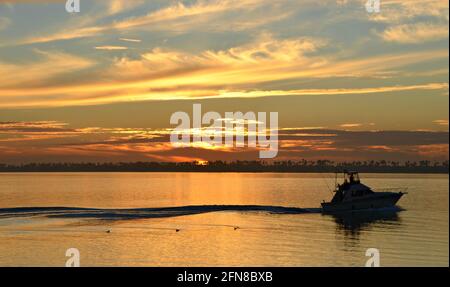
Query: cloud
x=400 y=11
x=83 y=25
x=50 y=64
x=37 y=126
x=119 y=6
x=111 y=48
x=175 y=17
x=4 y=23
x=130 y=40
x=238 y=72
x=350 y=91
x=441 y=122
x=20 y=132
x=350 y=125
x=284 y=60
x=60 y=142
x=415 y=33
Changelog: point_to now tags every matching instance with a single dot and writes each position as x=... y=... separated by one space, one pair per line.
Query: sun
x=202 y=162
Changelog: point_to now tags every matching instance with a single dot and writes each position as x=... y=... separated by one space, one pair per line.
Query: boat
x=353 y=195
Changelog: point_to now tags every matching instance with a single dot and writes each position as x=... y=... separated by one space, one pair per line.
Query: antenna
x=326 y=183
x=335 y=180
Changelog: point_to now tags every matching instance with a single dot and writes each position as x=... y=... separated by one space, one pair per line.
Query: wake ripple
x=97 y=213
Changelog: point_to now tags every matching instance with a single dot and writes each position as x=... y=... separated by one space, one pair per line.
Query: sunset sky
x=101 y=85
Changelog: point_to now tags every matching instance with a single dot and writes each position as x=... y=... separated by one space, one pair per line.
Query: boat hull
x=377 y=200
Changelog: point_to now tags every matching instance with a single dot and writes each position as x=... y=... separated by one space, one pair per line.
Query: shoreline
x=319 y=166
x=204 y=171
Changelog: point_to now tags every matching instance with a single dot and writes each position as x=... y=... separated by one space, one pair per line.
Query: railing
x=392 y=189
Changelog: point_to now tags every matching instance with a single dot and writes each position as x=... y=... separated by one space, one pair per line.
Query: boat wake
x=116 y=214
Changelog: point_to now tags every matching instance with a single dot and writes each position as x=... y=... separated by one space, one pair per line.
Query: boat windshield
x=351 y=177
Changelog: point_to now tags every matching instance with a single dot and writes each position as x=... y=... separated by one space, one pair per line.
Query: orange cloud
x=355 y=125
x=441 y=122
x=166 y=74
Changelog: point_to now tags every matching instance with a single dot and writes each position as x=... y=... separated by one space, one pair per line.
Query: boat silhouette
x=353 y=195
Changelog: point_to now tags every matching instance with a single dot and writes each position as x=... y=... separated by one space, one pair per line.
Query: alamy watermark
x=373 y=6
x=73 y=6
x=374 y=257
x=228 y=131
x=372 y=253
x=74 y=257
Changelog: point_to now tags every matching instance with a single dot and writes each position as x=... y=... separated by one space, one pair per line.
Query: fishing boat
x=353 y=195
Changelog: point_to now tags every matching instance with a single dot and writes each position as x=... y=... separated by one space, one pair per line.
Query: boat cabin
x=350 y=188
x=351 y=177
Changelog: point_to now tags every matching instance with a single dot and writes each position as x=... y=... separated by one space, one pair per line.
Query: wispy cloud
x=175 y=17
x=119 y=6
x=352 y=125
x=352 y=91
x=163 y=74
x=58 y=141
x=441 y=122
x=415 y=33
x=130 y=40
x=111 y=48
x=399 y=11
x=15 y=126
x=50 y=64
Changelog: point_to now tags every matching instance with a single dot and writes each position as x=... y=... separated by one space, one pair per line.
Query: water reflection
x=277 y=227
x=352 y=223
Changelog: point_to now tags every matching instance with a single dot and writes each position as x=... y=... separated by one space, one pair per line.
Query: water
x=254 y=226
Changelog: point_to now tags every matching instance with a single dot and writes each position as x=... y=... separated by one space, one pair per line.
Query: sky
x=102 y=84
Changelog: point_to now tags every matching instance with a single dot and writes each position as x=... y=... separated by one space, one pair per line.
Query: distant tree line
x=381 y=166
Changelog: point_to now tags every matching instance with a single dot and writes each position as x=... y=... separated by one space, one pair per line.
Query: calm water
x=415 y=236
